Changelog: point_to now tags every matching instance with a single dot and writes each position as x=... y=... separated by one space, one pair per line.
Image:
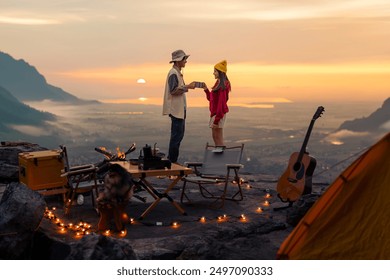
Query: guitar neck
x=303 y=148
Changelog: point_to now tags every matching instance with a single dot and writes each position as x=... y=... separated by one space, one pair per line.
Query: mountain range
x=20 y=82
x=12 y=111
x=25 y=82
x=377 y=121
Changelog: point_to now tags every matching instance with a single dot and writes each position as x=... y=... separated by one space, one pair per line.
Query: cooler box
x=41 y=170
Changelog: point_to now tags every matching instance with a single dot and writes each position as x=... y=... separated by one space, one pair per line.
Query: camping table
x=176 y=170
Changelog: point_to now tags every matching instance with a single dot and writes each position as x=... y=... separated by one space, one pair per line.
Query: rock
x=47 y=248
x=300 y=207
x=9 y=173
x=225 y=242
x=21 y=213
x=162 y=248
x=100 y=247
x=236 y=243
x=9 y=159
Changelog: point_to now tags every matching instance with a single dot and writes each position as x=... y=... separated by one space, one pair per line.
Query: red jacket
x=218 y=101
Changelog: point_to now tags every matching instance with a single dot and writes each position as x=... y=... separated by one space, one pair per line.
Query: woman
x=218 y=97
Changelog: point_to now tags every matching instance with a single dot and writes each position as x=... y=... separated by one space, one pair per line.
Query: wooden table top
x=175 y=170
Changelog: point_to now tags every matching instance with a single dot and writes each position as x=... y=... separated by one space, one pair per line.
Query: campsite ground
x=257 y=237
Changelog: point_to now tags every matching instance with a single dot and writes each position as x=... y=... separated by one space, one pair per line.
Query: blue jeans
x=177 y=134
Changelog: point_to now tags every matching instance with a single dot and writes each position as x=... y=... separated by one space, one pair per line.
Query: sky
x=277 y=50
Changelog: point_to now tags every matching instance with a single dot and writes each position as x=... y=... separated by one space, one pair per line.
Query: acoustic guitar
x=296 y=180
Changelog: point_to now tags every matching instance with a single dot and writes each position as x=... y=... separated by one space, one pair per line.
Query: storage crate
x=41 y=171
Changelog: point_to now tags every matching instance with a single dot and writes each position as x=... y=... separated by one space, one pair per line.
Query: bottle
x=80 y=199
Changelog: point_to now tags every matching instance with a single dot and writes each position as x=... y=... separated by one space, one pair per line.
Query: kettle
x=147 y=151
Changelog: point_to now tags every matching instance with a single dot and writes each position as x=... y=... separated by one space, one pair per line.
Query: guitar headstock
x=319 y=112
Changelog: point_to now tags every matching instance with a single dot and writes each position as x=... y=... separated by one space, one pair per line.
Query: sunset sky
x=277 y=50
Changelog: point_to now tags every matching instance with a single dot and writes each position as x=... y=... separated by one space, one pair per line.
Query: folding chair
x=80 y=180
x=218 y=170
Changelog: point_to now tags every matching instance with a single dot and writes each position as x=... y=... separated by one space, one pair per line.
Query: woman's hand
x=191 y=85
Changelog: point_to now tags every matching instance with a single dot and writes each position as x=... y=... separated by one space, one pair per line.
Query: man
x=175 y=104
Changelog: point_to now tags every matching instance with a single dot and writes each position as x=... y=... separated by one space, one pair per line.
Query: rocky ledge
x=25 y=233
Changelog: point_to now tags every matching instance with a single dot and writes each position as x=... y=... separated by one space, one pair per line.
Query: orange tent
x=351 y=220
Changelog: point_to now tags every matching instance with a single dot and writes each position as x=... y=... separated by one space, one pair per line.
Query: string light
x=175 y=224
x=81 y=229
x=222 y=218
x=125 y=217
x=243 y=218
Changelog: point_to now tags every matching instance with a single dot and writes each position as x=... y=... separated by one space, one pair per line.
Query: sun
x=141 y=81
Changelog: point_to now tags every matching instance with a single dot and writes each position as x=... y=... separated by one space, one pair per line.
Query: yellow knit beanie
x=221 y=66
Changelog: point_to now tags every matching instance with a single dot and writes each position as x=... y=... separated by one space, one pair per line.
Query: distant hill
x=374 y=122
x=27 y=84
x=12 y=111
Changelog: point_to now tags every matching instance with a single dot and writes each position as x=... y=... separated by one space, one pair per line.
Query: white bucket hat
x=178 y=55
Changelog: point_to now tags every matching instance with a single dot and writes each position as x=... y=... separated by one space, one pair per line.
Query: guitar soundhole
x=299 y=169
x=297 y=166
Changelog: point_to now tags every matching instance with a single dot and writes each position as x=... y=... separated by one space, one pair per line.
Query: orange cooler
x=41 y=170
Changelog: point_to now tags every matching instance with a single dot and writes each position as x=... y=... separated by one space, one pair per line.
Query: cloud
x=282 y=10
x=27 y=21
x=170 y=11
x=338 y=137
x=386 y=126
x=31 y=130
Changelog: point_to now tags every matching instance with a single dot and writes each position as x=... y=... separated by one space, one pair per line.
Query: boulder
x=9 y=159
x=100 y=247
x=300 y=207
x=21 y=213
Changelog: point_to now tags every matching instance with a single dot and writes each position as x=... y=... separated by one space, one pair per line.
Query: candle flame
x=175 y=224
